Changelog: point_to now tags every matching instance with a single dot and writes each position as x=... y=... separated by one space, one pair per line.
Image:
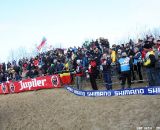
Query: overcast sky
x=23 y=23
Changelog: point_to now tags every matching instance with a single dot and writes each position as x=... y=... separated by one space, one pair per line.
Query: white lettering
x=90 y=93
x=129 y=92
x=44 y=80
x=79 y=93
x=29 y=85
x=153 y=90
x=133 y=92
x=119 y=93
x=101 y=93
x=149 y=90
x=32 y=83
x=38 y=82
x=98 y=93
x=70 y=89
x=21 y=85
x=141 y=91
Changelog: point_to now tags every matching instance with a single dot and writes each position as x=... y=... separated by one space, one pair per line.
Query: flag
x=65 y=78
x=42 y=44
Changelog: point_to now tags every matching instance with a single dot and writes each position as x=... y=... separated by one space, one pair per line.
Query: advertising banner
x=44 y=82
x=122 y=92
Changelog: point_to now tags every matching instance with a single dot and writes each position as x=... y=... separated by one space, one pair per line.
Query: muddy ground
x=57 y=109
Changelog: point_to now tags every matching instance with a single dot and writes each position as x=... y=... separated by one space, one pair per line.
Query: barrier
x=54 y=81
x=131 y=91
x=44 y=82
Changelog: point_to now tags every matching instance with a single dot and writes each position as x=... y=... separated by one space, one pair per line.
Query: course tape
x=122 y=92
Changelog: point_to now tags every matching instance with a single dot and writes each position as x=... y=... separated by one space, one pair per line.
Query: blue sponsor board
x=122 y=92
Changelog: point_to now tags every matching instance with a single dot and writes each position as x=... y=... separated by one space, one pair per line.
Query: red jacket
x=92 y=67
x=143 y=54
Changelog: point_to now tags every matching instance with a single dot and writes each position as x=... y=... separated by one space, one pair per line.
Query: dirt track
x=57 y=109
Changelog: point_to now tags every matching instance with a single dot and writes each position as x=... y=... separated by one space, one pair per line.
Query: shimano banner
x=130 y=91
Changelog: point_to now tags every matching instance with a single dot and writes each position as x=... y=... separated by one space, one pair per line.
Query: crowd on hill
x=90 y=60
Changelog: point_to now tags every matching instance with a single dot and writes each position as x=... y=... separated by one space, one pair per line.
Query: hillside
x=57 y=109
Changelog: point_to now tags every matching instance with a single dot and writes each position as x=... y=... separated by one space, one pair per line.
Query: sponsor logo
x=102 y=93
x=55 y=81
x=3 y=87
x=135 y=91
x=12 y=88
x=32 y=84
x=154 y=90
x=129 y=92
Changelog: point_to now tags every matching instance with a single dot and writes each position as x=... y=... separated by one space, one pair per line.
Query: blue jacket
x=125 y=64
x=137 y=58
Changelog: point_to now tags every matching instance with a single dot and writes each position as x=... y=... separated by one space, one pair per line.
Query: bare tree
x=21 y=52
x=156 y=32
x=11 y=55
x=17 y=54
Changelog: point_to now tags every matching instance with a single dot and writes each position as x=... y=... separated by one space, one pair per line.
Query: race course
x=57 y=109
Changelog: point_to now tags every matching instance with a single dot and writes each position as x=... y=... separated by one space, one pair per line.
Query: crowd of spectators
x=57 y=61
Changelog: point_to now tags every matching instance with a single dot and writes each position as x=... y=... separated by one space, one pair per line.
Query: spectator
x=79 y=74
x=106 y=64
x=60 y=66
x=30 y=74
x=124 y=67
x=137 y=58
x=51 y=70
x=149 y=63
x=157 y=64
x=92 y=70
x=55 y=61
x=4 y=67
x=131 y=53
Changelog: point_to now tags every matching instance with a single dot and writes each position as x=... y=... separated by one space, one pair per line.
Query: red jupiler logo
x=55 y=81
x=12 y=88
x=3 y=87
